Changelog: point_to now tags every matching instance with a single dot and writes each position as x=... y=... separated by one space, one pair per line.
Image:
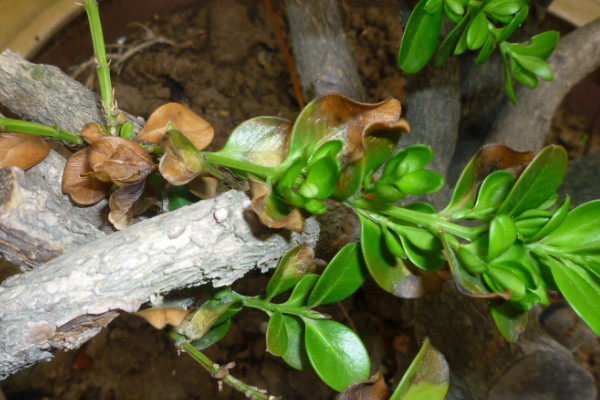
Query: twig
x=286 y=54
x=218 y=371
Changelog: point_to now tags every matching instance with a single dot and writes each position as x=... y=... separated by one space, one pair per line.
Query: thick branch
x=525 y=127
x=64 y=302
x=325 y=64
x=32 y=228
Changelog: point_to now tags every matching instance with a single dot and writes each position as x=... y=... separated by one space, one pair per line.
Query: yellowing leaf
x=159 y=317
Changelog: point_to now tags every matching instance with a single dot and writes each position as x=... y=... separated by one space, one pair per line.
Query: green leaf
x=456 y=7
x=295 y=353
x=407 y=160
x=504 y=8
x=336 y=353
x=448 y=45
x=216 y=333
x=292 y=267
x=276 y=335
x=420 y=38
x=541 y=46
x=580 y=289
x=534 y=65
x=523 y=76
x=343 y=276
x=493 y=191
x=388 y=271
x=179 y=196
x=466 y=283
x=511 y=321
x=321 y=179
x=538 y=182
x=486 y=50
x=315 y=207
x=420 y=182
x=429 y=260
x=579 y=231
x=503 y=234
x=392 y=242
x=327 y=149
x=514 y=23
x=472 y=262
x=500 y=279
x=302 y=290
x=126 y=130
x=259 y=140
x=387 y=193
x=558 y=217
x=427 y=377
x=508 y=85
x=432 y=6
x=477 y=31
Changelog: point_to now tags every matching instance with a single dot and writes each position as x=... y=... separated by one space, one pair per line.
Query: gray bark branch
x=67 y=300
x=324 y=61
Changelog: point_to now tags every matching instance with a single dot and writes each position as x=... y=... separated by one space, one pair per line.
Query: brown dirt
x=225 y=65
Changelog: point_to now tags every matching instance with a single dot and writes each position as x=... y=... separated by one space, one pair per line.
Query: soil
x=226 y=65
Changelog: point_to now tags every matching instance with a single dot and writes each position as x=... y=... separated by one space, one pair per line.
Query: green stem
x=106 y=92
x=216 y=369
x=432 y=222
x=269 y=307
x=259 y=170
x=33 y=128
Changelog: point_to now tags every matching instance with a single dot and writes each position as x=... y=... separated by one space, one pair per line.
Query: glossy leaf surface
x=388 y=271
x=538 y=182
x=291 y=268
x=420 y=38
x=336 y=353
x=276 y=335
x=343 y=276
x=295 y=353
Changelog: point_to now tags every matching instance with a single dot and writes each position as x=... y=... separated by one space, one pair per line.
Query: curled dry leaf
x=21 y=150
x=78 y=182
x=373 y=388
x=122 y=203
x=196 y=129
x=159 y=317
x=121 y=161
x=205 y=187
x=273 y=212
x=91 y=133
x=336 y=117
x=182 y=162
x=493 y=157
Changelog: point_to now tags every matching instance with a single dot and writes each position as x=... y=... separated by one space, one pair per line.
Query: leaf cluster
x=479 y=26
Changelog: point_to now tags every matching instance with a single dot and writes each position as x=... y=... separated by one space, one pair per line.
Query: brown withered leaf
x=159 y=317
x=336 y=117
x=122 y=203
x=21 y=150
x=493 y=157
x=195 y=128
x=91 y=133
x=373 y=388
x=78 y=182
x=205 y=187
x=182 y=162
x=121 y=161
x=273 y=212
